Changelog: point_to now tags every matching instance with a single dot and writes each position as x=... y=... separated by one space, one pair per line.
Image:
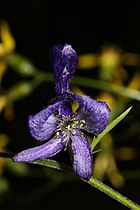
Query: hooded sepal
x=64 y=62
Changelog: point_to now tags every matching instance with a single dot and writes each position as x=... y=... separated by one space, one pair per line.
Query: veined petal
x=46 y=150
x=43 y=124
x=64 y=61
x=65 y=109
x=82 y=156
x=55 y=56
x=95 y=113
x=69 y=62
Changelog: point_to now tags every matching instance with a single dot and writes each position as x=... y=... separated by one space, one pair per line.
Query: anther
x=57 y=133
x=76 y=122
x=82 y=121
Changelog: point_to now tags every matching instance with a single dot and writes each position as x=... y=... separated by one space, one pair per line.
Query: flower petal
x=64 y=61
x=82 y=156
x=55 y=56
x=65 y=109
x=46 y=150
x=95 y=113
x=43 y=124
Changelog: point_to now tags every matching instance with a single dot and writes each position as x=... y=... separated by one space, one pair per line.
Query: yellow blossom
x=7 y=45
x=3 y=142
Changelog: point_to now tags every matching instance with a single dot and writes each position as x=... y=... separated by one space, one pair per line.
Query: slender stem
x=99 y=84
x=93 y=182
x=106 y=86
x=25 y=68
x=54 y=164
x=6 y=154
x=114 y=194
x=41 y=76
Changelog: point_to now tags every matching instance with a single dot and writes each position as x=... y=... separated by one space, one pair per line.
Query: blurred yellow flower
x=3 y=102
x=105 y=164
x=7 y=45
x=87 y=61
x=3 y=142
x=110 y=57
x=109 y=61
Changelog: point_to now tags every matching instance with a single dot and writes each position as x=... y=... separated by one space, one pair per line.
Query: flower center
x=67 y=125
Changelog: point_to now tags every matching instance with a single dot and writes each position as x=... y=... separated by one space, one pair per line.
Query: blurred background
x=105 y=36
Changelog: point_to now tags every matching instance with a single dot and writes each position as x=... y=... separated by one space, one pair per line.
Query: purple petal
x=46 y=150
x=82 y=156
x=69 y=62
x=65 y=109
x=95 y=113
x=55 y=56
x=43 y=124
x=64 y=61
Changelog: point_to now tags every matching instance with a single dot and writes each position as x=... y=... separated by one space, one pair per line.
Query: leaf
x=108 y=128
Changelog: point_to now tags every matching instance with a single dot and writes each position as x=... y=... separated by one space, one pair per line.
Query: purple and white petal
x=95 y=113
x=64 y=61
x=55 y=56
x=82 y=156
x=65 y=109
x=69 y=62
x=43 y=124
x=46 y=150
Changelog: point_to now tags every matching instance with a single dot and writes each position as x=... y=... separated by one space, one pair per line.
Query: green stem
x=114 y=194
x=26 y=68
x=92 y=181
x=99 y=84
x=54 y=164
x=106 y=86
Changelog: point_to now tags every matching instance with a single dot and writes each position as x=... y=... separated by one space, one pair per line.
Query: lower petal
x=46 y=150
x=82 y=156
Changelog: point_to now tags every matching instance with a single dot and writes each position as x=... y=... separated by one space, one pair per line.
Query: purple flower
x=59 y=125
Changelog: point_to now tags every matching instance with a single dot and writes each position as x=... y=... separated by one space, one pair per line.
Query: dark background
x=86 y=25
